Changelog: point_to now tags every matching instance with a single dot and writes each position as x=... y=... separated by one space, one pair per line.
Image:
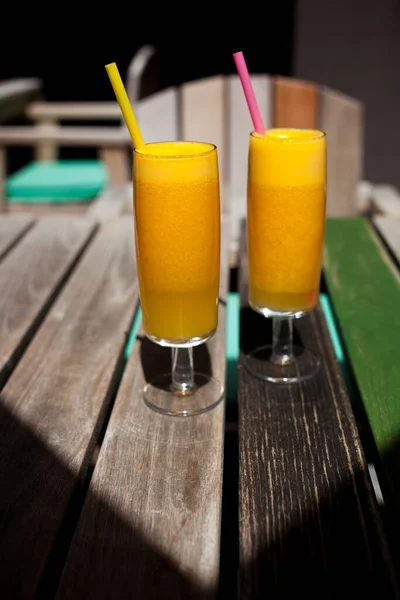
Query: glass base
x=180 y=343
x=304 y=365
x=207 y=393
x=279 y=314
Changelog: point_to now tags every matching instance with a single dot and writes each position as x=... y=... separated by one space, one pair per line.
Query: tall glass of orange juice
x=177 y=234
x=286 y=205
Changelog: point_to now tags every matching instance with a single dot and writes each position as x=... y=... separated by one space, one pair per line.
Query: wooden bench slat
x=30 y=276
x=295 y=103
x=150 y=526
x=55 y=401
x=65 y=135
x=341 y=117
x=239 y=128
x=309 y=522
x=12 y=228
x=203 y=116
x=45 y=111
x=158 y=116
x=390 y=231
x=364 y=286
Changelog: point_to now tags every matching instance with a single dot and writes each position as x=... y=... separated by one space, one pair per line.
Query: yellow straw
x=125 y=105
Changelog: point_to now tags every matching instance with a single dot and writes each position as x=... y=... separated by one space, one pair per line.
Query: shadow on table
x=119 y=562
x=311 y=554
x=256 y=331
x=318 y=555
x=330 y=549
x=112 y=560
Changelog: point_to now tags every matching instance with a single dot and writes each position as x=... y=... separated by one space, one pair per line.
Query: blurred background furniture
x=214 y=109
x=211 y=109
x=15 y=95
x=48 y=181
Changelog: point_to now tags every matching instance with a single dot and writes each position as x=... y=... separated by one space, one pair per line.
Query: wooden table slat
x=150 y=527
x=113 y=202
x=30 y=276
x=55 y=402
x=309 y=522
x=12 y=228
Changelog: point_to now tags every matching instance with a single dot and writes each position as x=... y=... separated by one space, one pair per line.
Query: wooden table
x=309 y=521
x=101 y=497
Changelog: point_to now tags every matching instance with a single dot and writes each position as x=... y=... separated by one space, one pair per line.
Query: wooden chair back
x=15 y=95
x=214 y=109
x=211 y=109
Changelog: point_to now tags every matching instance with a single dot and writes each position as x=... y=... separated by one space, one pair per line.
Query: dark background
x=351 y=46
x=67 y=48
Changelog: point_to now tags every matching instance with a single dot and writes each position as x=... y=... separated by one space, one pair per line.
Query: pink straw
x=249 y=92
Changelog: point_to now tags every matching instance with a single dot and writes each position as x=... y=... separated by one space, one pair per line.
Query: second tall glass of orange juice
x=177 y=232
x=285 y=226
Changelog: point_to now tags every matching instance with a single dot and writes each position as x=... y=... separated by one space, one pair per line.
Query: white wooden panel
x=385 y=200
x=203 y=117
x=118 y=163
x=390 y=231
x=137 y=71
x=342 y=119
x=157 y=116
x=239 y=128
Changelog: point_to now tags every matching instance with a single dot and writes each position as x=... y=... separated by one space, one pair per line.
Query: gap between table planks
x=31 y=275
x=54 y=404
x=150 y=526
x=12 y=229
x=308 y=519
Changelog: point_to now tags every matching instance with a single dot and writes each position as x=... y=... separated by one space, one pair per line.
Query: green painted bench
x=363 y=283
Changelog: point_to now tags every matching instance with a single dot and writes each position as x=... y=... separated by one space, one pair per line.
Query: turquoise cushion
x=57 y=181
x=232 y=345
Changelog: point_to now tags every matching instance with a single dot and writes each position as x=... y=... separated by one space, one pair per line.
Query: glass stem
x=282 y=342
x=182 y=371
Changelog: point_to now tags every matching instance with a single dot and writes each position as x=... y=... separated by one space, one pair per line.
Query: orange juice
x=177 y=232
x=285 y=219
